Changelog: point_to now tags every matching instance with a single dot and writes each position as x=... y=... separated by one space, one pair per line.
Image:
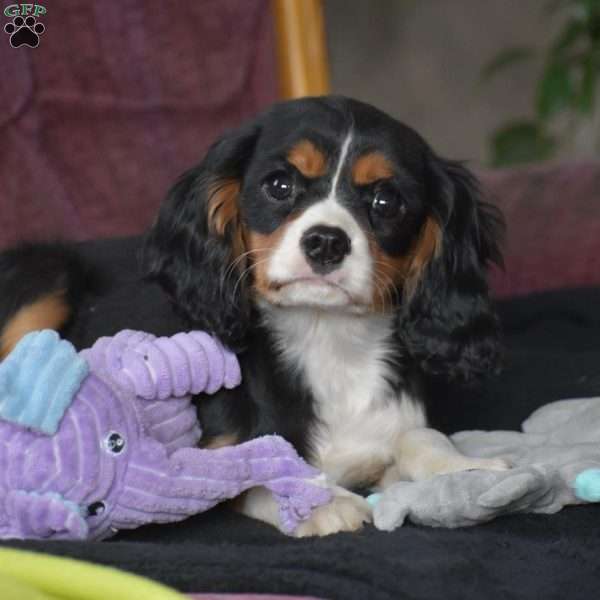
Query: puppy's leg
x=346 y=512
x=422 y=453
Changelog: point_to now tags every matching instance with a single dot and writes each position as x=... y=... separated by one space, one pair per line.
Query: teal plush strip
x=38 y=381
x=587 y=485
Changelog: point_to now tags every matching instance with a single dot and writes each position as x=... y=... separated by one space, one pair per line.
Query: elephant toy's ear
x=38 y=381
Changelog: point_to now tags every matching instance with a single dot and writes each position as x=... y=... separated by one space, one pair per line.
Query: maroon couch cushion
x=117 y=100
x=553 y=235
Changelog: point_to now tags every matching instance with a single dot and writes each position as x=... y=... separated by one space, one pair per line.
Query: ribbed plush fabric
x=553 y=217
x=123 y=454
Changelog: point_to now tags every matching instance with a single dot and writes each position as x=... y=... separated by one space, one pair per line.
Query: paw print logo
x=24 y=32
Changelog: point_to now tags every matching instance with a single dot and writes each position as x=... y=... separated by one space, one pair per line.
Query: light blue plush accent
x=70 y=505
x=38 y=381
x=587 y=485
x=373 y=499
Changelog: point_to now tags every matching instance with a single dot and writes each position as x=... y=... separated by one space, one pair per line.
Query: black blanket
x=553 y=343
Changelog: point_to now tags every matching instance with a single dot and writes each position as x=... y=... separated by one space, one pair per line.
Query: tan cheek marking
x=308 y=159
x=371 y=167
x=261 y=247
x=389 y=272
x=49 y=312
x=429 y=246
x=406 y=270
x=224 y=214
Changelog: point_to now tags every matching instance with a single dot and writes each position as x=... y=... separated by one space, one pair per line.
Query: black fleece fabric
x=553 y=352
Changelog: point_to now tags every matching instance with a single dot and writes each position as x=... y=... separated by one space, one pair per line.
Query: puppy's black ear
x=195 y=247
x=447 y=323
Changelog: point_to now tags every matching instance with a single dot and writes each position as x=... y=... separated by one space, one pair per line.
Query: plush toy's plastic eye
x=95 y=509
x=115 y=443
x=279 y=185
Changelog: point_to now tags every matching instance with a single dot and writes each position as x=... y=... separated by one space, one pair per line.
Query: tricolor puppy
x=345 y=261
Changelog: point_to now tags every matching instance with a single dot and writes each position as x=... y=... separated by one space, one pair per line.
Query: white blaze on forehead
x=339 y=166
x=288 y=262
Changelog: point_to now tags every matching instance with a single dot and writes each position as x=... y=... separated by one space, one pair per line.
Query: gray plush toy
x=556 y=462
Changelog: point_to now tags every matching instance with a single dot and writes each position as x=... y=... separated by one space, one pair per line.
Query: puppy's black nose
x=324 y=246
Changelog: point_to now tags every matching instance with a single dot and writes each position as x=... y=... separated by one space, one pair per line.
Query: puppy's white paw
x=346 y=512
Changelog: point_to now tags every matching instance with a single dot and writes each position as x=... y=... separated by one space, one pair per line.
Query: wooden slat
x=301 y=48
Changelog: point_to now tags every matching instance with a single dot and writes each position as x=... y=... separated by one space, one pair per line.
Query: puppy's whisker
x=241 y=257
x=385 y=282
x=246 y=272
x=389 y=266
x=379 y=288
x=384 y=294
x=392 y=287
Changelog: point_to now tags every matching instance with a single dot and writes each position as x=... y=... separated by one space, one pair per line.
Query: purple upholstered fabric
x=120 y=97
x=116 y=101
x=553 y=236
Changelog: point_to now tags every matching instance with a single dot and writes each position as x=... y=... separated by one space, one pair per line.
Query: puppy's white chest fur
x=341 y=358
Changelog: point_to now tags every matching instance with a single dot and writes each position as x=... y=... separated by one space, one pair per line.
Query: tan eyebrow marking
x=371 y=167
x=308 y=159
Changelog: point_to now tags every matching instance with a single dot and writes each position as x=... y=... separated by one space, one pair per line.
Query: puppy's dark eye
x=279 y=185
x=387 y=204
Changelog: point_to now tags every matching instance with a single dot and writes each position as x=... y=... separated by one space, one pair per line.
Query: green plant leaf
x=591 y=8
x=571 y=33
x=555 y=90
x=503 y=60
x=521 y=142
x=593 y=26
x=589 y=82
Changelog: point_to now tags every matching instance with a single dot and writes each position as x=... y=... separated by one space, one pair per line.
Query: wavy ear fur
x=192 y=248
x=448 y=324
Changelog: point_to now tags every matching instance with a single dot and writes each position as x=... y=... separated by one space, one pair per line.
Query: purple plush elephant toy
x=106 y=439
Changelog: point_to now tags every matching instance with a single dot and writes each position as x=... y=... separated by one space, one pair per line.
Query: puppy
x=345 y=262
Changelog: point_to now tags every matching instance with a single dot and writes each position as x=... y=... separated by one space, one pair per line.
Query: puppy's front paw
x=346 y=512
